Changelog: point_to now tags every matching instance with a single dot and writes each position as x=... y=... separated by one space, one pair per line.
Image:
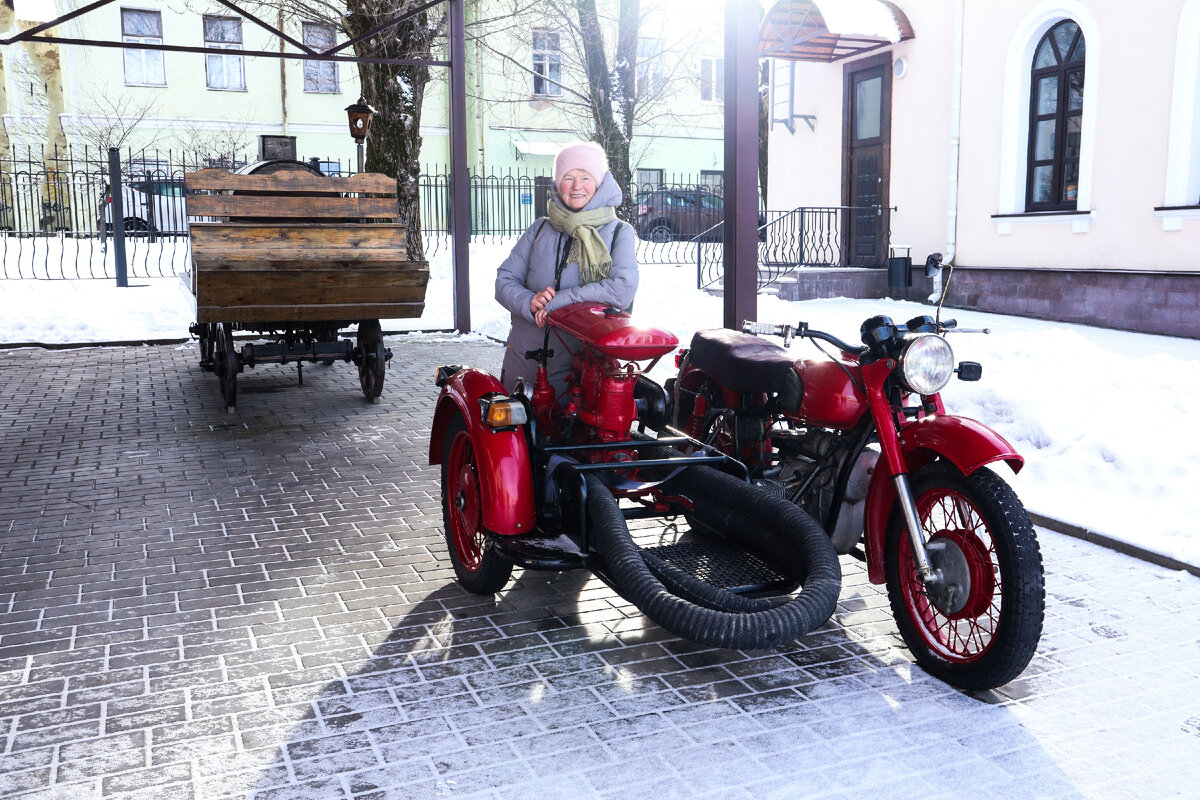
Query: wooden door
x=866 y=164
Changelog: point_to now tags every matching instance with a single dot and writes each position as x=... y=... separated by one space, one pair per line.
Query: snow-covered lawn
x=1103 y=418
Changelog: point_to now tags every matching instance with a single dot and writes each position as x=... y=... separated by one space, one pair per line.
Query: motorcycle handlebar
x=801 y=329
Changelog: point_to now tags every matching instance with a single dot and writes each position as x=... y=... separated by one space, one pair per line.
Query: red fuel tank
x=831 y=397
x=613 y=332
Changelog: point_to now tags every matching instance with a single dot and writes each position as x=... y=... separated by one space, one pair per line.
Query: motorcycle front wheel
x=477 y=565
x=978 y=532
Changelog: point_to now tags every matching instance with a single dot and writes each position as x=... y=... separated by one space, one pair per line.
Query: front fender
x=965 y=443
x=505 y=468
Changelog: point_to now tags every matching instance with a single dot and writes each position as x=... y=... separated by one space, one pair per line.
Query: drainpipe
x=282 y=79
x=955 y=131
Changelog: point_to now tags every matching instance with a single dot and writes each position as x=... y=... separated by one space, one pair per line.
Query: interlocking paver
x=199 y=605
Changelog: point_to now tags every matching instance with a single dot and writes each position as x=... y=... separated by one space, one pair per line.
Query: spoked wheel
x=980 y=629
x=476 y=564
x=227 y=366
x=374 y=359
x=207 y=336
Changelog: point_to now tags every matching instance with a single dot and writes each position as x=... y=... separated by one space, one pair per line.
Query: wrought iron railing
x=803 y=237
x=56 y=222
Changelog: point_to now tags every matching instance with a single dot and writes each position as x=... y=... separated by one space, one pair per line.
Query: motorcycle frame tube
x=965 y=443
x=505 y=466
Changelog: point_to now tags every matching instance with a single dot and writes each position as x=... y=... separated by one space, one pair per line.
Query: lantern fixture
x=360 y=119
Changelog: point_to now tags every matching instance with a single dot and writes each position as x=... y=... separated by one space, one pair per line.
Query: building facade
x=523 y=81
x=1057 y=171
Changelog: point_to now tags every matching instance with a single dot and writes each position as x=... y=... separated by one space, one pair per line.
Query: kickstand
x=300 y=371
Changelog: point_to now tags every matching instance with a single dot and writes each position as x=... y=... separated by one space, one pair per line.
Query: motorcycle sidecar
x=549 y=483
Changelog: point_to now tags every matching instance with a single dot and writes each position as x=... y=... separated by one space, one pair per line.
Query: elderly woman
x=580 y=252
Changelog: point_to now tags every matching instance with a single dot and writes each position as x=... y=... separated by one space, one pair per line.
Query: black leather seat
x=746 y=363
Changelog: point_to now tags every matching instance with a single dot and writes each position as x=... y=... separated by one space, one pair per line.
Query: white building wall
x=1140 y=136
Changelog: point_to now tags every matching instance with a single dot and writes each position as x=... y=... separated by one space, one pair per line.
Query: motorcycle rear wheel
x=477 y=565
x=987 y=637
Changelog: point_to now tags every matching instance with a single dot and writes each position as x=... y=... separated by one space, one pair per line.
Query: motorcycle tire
x=981 y=530
x=477 y=565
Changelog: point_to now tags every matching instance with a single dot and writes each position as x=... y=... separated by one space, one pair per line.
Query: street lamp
x=360 y=124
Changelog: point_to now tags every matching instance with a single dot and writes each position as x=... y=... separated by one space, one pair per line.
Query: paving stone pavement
x=197 y=605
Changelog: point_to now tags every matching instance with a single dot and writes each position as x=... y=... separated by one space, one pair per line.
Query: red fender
x=505 y=470
x=965 y=443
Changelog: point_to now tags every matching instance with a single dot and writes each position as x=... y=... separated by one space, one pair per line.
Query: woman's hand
x=537 y=306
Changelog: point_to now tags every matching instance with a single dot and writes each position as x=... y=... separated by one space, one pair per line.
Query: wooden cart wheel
x=227 y=365
x=207 y=335
x=374 y=360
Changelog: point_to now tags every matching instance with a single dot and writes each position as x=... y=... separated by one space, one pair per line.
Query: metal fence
x=56 y=219
x=789 y=241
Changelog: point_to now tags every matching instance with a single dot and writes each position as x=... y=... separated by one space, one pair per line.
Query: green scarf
x=587 y=248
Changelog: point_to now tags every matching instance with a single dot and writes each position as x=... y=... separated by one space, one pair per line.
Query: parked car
x=664 y=215
x=150 y=205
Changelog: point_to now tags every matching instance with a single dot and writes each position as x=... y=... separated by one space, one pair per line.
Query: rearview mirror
x=933 y=265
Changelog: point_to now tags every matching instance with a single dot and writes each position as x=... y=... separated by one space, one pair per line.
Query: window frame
x=143 y=57
x=235 y=46
x=647 y=186
x=320 y=67
x=550 y=59
x=1067 y=65
x=649 y=72
x=712 y=77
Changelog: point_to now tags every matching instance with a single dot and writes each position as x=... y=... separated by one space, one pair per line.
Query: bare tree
x=623 y=92
x=217 y=147
x=112 y=119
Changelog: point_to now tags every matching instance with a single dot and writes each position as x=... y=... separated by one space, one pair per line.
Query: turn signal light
x=503 y=412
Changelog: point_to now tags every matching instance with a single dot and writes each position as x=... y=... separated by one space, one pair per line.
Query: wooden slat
x=310 y=288
x=292 y=181
x=232 y=246
x=290 y=207
x=321 y=313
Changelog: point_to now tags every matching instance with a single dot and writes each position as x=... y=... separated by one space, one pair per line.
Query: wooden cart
x=296 y=257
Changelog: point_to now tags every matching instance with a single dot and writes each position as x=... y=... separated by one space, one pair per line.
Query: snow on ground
x=1102 y=417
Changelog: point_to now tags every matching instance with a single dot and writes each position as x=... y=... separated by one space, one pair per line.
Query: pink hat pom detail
x=587 y=156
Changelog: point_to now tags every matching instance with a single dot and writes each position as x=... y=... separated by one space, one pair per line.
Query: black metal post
x=460 y=210
x=118 y=215
x=741 y=165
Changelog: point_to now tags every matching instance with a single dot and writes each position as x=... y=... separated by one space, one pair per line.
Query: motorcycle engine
x=812 y=460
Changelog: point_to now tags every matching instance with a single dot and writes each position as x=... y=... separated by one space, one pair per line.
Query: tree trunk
x=764 y=126
x=397 y=94
x=613 y=94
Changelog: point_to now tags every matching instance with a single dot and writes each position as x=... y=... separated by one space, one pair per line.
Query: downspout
x=480 y=121
x=955 y=131
x=282 y=79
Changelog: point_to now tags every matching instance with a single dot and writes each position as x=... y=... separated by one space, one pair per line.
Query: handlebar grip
x=949 y=324
x=763 y=329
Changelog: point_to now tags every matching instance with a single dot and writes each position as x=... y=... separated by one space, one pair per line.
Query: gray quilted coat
x=529 y=268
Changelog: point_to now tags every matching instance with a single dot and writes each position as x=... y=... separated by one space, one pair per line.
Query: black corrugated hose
x=706 y=614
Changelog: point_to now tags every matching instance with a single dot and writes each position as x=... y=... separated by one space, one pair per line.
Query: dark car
x=665 y=215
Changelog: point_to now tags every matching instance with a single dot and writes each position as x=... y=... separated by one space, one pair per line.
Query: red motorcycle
x=861 y=441
x=544 y=482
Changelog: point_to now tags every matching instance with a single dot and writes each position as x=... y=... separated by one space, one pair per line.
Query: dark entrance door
x=867 y=140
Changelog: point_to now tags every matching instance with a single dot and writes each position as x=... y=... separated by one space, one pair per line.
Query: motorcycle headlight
x=927 y=363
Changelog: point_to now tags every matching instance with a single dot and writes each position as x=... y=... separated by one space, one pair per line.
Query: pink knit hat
x=587 y=156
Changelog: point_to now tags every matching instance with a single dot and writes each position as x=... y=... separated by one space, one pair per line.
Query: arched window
x=1055 y=120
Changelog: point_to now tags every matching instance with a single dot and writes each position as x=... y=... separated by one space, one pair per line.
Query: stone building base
x=1147 y=302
